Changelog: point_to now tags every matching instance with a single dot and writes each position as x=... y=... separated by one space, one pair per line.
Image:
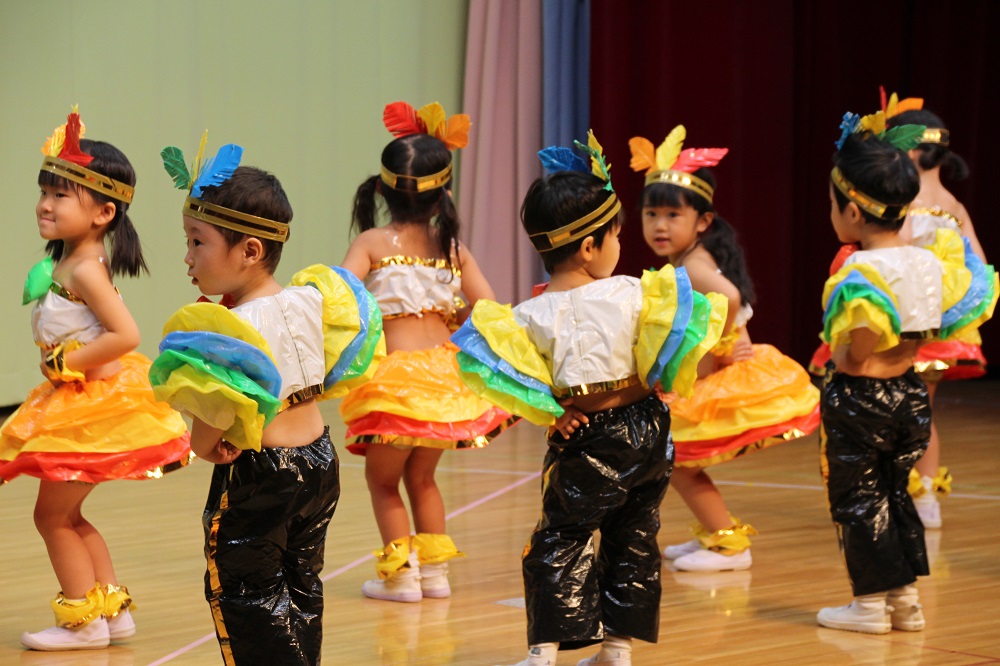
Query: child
x=962 y=357
x=887 y=298
x=94 y=418
x=601 y=342
x=415 y=406
x=249 y=378
x=748 y=396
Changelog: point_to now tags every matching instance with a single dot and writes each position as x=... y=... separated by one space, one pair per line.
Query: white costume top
x=291 y=322
x=587 y=334
x=413 y=285
x=914 y=275
x=59 y=316
x=925 y=221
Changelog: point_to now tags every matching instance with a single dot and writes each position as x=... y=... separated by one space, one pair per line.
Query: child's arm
x=90 y=282
x=474 y=284
x=358 y=259
x=571 y=420
x=969 y=232
x=207 y=444
x=706 y=278
x=852 y=357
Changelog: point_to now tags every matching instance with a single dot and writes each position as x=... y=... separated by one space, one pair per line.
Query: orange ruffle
x=712 y=451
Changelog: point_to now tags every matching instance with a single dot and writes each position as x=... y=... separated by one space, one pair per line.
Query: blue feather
x=218 y=169
x=557 y=158
x=847 y=126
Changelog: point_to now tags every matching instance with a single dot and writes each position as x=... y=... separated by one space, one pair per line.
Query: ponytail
x=126 y=248
x=720 y=241
x=363 y=215
x=448 y=225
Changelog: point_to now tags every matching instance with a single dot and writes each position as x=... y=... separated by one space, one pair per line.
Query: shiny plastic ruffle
x=743 y=407
x=970 y=286
x=424 y=393
x=857 y=296
x=352 y=327
x=95 y=431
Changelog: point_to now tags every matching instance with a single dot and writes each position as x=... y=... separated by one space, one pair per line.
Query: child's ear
x=704 y=221
x=253 y=251
x=105 y=213
x=586 y=250
x=853 y=213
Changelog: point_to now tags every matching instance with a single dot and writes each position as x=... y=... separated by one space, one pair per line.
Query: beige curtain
x=503 y=96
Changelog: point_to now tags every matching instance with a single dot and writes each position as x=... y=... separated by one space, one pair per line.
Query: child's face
x=212 y=265
x=606 y=257
x=671 y=230
x=847 y=231
x=64 y=213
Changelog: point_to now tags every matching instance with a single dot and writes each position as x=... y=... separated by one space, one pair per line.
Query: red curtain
x=770 y=80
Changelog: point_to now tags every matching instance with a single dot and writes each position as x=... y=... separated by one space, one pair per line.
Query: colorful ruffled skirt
x=95 y=431
x=744 y=407
x=943 y=360
x=417 y=398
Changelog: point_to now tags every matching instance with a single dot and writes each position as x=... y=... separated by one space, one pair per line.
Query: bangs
x=665 y=194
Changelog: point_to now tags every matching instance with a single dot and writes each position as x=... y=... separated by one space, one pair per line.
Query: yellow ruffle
x=659 y=307
x=687 y=373
x=955 y=277
x=72 y=613
x=216 y=319
x=343 y=387
x=435 y=548
x=860 y=313
x=767 y=389
x=392 y=558
x=111 y=415
x=116 y=599
x=509 y=340
x=422 y=384
x=341 y=319
x=731 y=541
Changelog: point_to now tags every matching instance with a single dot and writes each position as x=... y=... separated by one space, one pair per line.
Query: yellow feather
x=874 y=123
x=196 y=168
x=433 y=116
x=643 y=154
x=668 y=151
x=595 y=167
x=892 y=107
x=54 y=144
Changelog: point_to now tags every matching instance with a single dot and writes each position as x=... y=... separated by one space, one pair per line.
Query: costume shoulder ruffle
x=352 y=327
x=970 y=287
x=857 y=296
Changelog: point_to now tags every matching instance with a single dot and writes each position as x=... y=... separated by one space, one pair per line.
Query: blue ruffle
x=685 y=303
x=230 y=353
x=472 y=342
x=978 y=289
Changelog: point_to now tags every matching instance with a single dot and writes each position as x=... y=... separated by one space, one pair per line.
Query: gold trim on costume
x=936 y=212
x=936 y=135
x=301 y=395
x=682 y=179
x=929 y=334
x=577 y=228
x=420 y=183
x=159 y=471
x=402 y=260
x=220 y=216
x=866 y=203
x=597 y=387
x=88 y=178
x=407 y=441
x=216 y=582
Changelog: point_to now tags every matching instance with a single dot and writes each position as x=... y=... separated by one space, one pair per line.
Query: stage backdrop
x=301 y=85
x=770 y=80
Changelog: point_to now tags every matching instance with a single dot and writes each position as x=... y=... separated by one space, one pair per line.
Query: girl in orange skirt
x=94 y=418
x=415 y=406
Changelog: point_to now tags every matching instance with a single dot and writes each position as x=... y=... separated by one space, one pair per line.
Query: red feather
x=692 y=159
x=401 y=120
x=882 y=97
x=71 y=151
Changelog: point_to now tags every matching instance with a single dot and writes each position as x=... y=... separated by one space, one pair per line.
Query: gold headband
x=865 y=202
x=547 y=241
x=421 y=183
x=682 y=179
x=88 y=178
x=233 y=219
x=936 y=135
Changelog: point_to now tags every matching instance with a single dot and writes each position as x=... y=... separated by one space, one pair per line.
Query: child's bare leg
x=69 y=538
x=425 y=496
x=384 y=467
x=702 y=497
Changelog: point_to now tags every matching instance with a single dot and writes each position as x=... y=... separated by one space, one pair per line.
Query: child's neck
x=873 y=238
x=564 y=279
x=259 y=286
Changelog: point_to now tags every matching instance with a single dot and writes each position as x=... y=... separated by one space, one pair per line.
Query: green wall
x=299 y=84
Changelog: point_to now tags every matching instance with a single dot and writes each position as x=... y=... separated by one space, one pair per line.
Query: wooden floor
x=762 y=616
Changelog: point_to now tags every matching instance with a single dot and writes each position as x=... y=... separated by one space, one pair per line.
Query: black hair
x=555 y=200
x=719 y=239
x=255 y=192
x=933 y=154
x=881 y=171
x=125 y=253
x=413 y=155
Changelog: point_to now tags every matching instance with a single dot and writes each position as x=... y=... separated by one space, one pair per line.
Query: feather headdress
x=893 y=107
x=214 y=172
x=65 y=158
x=670 y=163
x=904 y=137
x=401 y=119
x=558 y=158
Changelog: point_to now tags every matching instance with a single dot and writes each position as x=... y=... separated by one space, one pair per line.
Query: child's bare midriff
x=880 y=365
x=412 y=332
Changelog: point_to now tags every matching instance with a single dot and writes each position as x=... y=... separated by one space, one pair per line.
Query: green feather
x=173 y=162
x=904 y=137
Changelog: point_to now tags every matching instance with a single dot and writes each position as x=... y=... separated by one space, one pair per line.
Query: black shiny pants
x=265 y=529
x=611 y=476
x=874 y=431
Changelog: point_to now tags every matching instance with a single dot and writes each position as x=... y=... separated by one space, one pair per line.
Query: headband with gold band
x=65 y=158
x=892 y=106
x=401 y=119
x=866 y=203
x=673 y=166
x=415 y=183
x=557 y=158
x=936 y=135
x=214 y=172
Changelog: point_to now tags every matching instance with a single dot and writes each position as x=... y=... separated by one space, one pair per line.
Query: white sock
x=547 y=651
x=613 y=646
